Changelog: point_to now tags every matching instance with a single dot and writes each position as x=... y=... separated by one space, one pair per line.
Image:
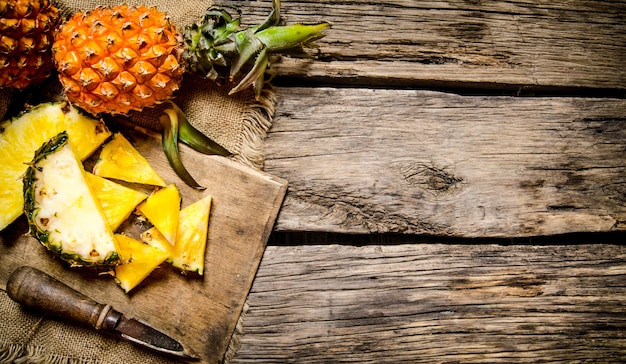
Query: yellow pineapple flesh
x=162 y=209
x=118 y=59
x=141 y=259
x=189 y=250
x=26 y=35
x=155 y=239
x=21 y=136
x=62 y=211
x=120 y=160
x=117 y=201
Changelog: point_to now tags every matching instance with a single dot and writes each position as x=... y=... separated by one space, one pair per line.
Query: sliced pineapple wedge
x=162 y=209
x=62 y=212
x=188 y=253
x=189 y=250
x=20 y=137
x=141 y=259
x=120 y=160
x=117 y=201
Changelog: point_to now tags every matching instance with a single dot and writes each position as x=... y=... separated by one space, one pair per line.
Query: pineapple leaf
x=169 y=140
x=195 y=138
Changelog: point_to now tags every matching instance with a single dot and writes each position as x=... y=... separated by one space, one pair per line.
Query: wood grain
x=514 y=44
x=199 y=311
x=438 y=303
x=405 y=161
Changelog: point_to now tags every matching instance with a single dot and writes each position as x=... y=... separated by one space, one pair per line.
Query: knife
x=37 y=290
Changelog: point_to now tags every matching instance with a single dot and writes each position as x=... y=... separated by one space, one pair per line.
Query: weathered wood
x=438 y=303
x=364 y=160
x=200 y=311
x=506 y=44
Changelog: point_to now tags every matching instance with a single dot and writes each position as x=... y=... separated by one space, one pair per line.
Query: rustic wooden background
x=457 y=185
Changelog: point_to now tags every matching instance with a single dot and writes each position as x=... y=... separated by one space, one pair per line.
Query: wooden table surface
x=457 y=186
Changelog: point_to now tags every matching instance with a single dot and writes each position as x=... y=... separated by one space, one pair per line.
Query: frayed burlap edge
x=32 y=354
x=257 y=122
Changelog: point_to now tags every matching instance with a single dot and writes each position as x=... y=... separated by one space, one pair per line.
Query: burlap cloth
x=239 y=123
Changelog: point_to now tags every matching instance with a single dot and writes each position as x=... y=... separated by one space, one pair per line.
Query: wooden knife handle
x=35 y=289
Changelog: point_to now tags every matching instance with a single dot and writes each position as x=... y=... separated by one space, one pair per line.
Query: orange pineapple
x=114 y=60
x=26 y=36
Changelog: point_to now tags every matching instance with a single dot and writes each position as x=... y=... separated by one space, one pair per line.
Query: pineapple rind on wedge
x=62 y=212
x=162 y=209
x=117 y=201
x=120 y=160
x=189 y=250
x=141 y=259
x=21 y=136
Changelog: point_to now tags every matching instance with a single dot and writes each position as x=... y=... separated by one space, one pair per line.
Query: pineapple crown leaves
x=217 y=42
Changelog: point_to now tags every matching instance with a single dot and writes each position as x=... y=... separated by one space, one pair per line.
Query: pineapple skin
x=117 y=59
x=62 y=213
x=26 y=34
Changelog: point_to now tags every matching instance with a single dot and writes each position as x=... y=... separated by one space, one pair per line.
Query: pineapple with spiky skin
x=114 y=60
x=26 y=35
x=63 y=213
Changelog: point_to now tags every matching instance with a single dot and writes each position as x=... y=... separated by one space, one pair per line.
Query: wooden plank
x=202 y=311
x=406 y=161
x=443 y=303
x=514 y=44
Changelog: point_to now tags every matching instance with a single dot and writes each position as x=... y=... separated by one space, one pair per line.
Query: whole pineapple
x=114 y=60
x=26 y=35
x=117 y=59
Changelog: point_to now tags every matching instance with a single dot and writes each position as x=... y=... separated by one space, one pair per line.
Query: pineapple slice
x=162 y=209
x=120 y=160
x=63 y=214
x=188 y=252
x=141 y=259
x=190 y=247
x=23 y=135
x=117 y=201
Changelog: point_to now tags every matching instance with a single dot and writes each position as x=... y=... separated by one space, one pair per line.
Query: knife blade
x=37 y=290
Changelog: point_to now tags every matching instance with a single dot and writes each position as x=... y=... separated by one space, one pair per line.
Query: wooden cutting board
x=200 y=312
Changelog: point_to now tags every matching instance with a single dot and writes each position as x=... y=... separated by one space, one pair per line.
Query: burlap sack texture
x=238 y=122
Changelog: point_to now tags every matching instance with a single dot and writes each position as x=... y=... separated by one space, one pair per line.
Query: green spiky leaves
x=217 y=45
